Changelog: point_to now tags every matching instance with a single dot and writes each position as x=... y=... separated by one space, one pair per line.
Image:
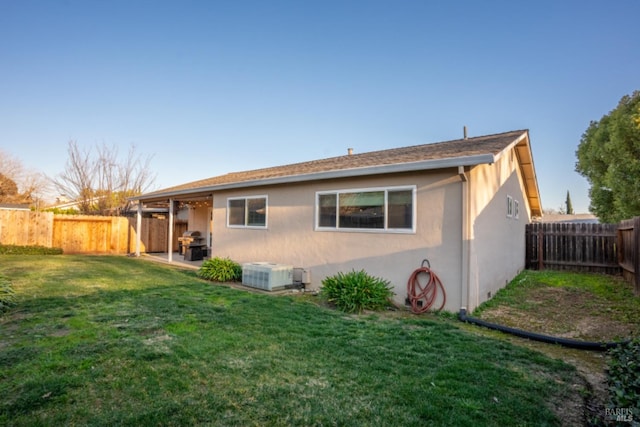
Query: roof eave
x=528 y=170
x=340 y=173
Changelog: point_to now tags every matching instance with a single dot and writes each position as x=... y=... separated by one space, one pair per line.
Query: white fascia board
x=510 y=146
x=341 y=173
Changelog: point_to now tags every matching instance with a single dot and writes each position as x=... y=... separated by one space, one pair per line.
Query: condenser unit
x=267 y=276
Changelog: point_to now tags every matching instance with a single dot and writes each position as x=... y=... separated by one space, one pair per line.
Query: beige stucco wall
x=497 y=242
x=291 y=238
x=486 y=254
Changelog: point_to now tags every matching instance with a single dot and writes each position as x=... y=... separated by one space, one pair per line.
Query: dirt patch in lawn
x=564 y=312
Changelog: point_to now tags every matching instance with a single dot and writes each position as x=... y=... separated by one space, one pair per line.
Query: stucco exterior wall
x=291 y=237
x=198 y=219
x=497 y=245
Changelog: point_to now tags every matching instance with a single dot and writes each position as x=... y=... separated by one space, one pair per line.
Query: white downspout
x=138 y=227
x=466 y=243
x=170 y=233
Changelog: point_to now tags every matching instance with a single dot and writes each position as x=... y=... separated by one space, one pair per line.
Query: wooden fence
x=86 y=234
x=18 y=227
x=80 y=234
x=629 y=251
x=568 y=246
x=600 y=248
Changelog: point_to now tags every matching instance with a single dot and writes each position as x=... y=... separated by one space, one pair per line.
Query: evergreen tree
x=569 y=205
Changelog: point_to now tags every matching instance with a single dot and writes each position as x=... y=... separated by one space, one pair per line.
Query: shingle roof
x=477 y=150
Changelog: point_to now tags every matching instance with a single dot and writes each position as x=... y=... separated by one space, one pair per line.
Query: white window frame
x=386 y=229
x=516 y=209
x=246 y=212
x=509 y=206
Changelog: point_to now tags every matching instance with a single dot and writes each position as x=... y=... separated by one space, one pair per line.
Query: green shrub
x=7 y=296
x=356 y=291
x=623 y=378
x=220 y=270
x=28 y=250
x=59 y=211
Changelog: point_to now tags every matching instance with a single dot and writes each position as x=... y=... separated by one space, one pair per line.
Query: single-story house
x=461 y=204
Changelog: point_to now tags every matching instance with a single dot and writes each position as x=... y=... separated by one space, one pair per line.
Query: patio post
x=138 y=227
x=170 y=234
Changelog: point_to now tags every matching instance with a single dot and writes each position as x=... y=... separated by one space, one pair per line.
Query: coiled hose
x=422 y=298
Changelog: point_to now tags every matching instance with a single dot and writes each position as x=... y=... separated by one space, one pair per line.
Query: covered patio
x=189 y=212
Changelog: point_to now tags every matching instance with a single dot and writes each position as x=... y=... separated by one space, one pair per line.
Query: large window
x=247 y=212
x=383 y=209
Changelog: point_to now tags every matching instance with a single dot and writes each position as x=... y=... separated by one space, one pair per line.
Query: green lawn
x=123 y=341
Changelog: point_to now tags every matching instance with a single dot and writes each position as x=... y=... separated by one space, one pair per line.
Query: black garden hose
x=581 y=345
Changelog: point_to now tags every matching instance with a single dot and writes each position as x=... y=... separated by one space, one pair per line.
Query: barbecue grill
x=191 y=245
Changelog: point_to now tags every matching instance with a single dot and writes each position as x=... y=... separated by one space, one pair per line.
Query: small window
x=509 y=206
x=516 y=209
x=247 y=212
x=384 y=209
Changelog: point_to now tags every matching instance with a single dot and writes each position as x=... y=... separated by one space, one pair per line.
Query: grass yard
x=582 y=306
x=123 y=341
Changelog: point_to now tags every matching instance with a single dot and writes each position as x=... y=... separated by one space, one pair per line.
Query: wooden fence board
x=40 y=234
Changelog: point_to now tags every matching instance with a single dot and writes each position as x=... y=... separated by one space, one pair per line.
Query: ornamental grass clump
x=220 y=270
x=356 y=291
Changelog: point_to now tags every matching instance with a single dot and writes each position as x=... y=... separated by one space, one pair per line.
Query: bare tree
x=10 y=167
x=19 y=185
x=76 y=182
x=101 y=181
x=35 y=187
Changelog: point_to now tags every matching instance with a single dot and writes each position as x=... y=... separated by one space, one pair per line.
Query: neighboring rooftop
x=574 y=218
x=15 y=206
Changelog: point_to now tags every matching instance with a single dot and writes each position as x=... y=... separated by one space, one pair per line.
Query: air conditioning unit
x=266 y=276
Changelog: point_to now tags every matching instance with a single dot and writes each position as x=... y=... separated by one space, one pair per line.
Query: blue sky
x=210 y=87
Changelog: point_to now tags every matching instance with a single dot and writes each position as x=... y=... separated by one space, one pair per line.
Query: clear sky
x=210 y=87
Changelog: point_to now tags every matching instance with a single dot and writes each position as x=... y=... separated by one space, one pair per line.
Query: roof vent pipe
x=465 y=132
x=350 y=151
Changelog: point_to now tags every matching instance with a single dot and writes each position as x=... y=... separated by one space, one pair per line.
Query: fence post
x=540 y=251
